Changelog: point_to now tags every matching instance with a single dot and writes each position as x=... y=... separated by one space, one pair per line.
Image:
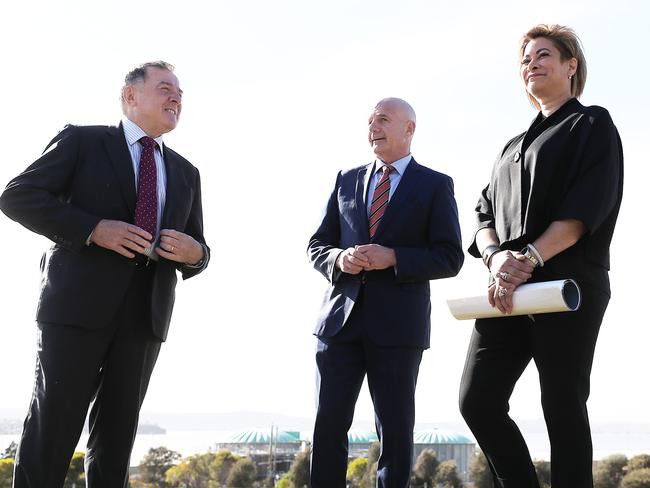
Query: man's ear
x=128 y=95
x=410 y=127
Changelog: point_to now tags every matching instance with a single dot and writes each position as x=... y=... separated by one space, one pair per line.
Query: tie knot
x=147 y=142
x=387 y=169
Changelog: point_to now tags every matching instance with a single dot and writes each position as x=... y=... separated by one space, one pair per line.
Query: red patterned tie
x=146 y=205
x=379 y=201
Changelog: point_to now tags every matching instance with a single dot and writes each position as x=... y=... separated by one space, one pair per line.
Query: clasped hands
x=127 y=239
x=509 y=269
x=367 y=257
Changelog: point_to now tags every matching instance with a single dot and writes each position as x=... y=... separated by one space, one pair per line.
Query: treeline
x=164 y=468
x=615 y=471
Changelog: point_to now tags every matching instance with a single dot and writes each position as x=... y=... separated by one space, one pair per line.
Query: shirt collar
x=134 y=133
x=399 y=166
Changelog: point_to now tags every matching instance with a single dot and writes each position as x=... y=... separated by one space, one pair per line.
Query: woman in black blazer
x=548 y=213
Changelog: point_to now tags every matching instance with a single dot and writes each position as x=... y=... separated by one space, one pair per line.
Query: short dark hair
x=139 y=73
x=568 y=43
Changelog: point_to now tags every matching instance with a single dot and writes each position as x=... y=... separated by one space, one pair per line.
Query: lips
x=533 y=76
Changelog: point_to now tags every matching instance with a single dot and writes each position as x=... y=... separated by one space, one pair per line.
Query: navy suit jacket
x=86 y=175
x=420 y=224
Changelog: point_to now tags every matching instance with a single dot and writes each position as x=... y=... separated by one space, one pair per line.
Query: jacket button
x=517 y=156
x=363 y=280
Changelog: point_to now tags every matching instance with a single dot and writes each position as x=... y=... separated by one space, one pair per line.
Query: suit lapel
x=120 y=156
x=172 y=187
x=363 y=179
x=178 y=193
x=406 y=186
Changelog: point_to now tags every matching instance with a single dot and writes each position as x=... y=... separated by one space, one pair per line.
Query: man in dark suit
x=124 y=213
x=389 y=228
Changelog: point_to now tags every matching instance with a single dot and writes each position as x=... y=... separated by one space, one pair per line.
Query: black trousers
x=109 y=367
x=342 y=363
x=562 y=346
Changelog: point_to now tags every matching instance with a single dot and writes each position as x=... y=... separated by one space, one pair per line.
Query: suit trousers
x=109 y=367
x=343 y=361
x=562 y=346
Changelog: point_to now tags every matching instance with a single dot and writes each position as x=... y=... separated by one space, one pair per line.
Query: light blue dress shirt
x=395 y=177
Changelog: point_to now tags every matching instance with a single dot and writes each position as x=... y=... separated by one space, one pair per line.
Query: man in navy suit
x=389 y=227
x=124 y=213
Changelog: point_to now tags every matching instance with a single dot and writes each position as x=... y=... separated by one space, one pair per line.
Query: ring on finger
x=503 y=275
x=502 y=291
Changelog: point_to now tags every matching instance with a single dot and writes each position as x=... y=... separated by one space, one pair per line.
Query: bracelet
x=533 y=255
x=536 y=253
x=488 y=252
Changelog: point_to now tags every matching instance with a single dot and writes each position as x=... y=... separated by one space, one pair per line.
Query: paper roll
x=528 y=299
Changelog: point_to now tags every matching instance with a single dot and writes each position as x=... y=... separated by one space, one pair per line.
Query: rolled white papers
x=528 y=299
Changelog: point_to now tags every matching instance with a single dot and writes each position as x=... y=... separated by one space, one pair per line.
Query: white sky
x=276 y=100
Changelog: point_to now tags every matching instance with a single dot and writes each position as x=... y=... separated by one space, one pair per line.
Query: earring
x=570 y=76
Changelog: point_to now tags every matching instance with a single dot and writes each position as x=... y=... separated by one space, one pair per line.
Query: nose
x=175 y=96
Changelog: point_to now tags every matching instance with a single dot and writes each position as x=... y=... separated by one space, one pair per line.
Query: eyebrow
x=537 y=52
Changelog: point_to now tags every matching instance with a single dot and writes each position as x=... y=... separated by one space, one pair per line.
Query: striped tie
x=379 y=201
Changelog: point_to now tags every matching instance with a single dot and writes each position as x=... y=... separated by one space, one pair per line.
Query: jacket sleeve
x=38 y=198
x=595 y=191
x=194 y=228
x=323 y=250
x=442 y=257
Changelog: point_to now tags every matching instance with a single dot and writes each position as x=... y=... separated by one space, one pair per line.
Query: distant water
x=607 y=440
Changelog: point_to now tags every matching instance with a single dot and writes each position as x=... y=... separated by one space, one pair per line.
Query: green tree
x=268 y=482
x=299 y=471
x=425 y=469
x=193 y=472
x=285 y=482
x=479 y=471
x=637 y=478
x=76 y=478
x=154 y=465
x=10 y=452
x=370 y=478
x=242 y=474
x=373 y=452
x=6 y=472
x=447 y=475
x=608 y=472
x=221 y=465
x=357 y=469
x=543 y=471
x=638 y=462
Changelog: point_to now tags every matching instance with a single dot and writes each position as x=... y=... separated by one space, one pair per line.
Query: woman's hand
x=509 y=269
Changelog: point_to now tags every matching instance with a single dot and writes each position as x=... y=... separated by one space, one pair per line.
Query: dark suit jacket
x=420 y=224
x=86 y=175
x=568 y=165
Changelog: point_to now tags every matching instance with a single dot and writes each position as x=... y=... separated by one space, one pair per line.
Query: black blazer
x=568 y=165
x=420 y=224
x=86 y=175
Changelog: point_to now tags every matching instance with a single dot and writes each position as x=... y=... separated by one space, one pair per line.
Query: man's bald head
x=390 y=129
x=399 y=105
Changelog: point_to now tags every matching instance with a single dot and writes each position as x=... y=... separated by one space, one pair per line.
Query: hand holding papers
x=528 y=299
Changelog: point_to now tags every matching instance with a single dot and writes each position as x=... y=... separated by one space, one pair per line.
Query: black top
x=568 y=165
